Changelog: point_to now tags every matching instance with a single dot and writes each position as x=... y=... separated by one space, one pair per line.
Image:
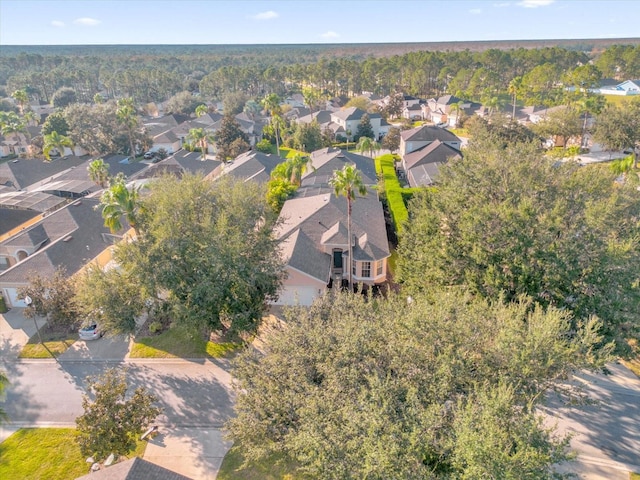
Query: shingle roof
x=76 y=234
x=353 y=113
x=253 y=165
x=26 y=172
x=424 y=175
x=311 y=222
x=134 y=469
x=436 y=151
x=11 y=218
x=327 y=160
x=428 y=133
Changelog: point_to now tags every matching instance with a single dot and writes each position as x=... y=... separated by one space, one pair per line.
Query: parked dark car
x=149 y=155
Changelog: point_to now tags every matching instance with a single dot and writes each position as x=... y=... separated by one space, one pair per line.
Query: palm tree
x=22 y=98
x=271 y=103
x=366 y=144
x=99 y=172
x=348 y=182
x=126 y=115
x=457 y=107
x=119 y=201
x=201 y=138
x=55 y=141
x=514 y=86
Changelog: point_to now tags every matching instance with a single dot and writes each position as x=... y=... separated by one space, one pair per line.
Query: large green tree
x=561 y=122
x=506 y=222
x=364 y=128
x=207 y=251
x=52 y=297
x=128 y=117
x=618 y=127
x=229 y=133
x=113 y=419
x=441 y=387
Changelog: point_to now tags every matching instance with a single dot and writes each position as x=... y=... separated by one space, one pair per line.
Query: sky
x=90 y=22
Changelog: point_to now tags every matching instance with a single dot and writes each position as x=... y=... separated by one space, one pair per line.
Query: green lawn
x=45 y=453
x=182 y=343
x=634 y=476
x=54 y=344
x=268 y=469
x=619 y=99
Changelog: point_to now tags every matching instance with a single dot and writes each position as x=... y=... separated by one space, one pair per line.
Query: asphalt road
x=191 y=393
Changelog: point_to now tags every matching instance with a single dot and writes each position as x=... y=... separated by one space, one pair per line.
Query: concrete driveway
x=605 y=430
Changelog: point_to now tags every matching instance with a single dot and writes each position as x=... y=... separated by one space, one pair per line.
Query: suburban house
x=313 y=231
x=422 y=167
x=178 y=164
x=423 y=150
x=628 y=87
x=68 y=238
x=349 y=119
x=315 y=246
x=442 y=110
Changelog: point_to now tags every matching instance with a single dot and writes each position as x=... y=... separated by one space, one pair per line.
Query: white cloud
x=269 y=15
x=87 y=22
x=330 y=34
x=502 y=4
x=535 y=3
x=475 y=11
x=57 y=23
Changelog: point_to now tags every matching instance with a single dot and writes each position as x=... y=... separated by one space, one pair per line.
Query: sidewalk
x=195 y=452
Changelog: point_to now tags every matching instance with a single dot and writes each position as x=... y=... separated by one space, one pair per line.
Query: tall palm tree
x=201 y=138
x=367 y=145
x=457 y=107
x=514 y=86
x=348 y=182
x=99 y=172
x=119 y=201
x=55 y=141
x=271 y=103
x=127 y=117
x=22 y=99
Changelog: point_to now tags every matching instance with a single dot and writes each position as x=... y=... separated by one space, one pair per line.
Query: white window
x=379 y=265
x=353 y=267
x=366 y=269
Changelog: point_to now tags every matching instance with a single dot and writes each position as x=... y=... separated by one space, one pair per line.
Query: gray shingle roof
x=11 y=218
x=76 y=234
x=436 y=151
x=253 y=165
x=327 y=160
x=27 y=171
x=428 y=133
x=353 y=113
x=312 y=223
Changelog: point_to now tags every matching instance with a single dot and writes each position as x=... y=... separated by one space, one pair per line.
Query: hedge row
x=393 y=190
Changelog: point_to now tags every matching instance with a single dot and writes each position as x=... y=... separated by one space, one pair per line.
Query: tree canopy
x=112 y=420
x=207 y=252
x=444 y=386
x=506 y=222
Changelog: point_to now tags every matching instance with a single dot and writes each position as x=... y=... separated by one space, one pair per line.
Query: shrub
x=3 y=305
x=155 y=327
x=264 y=146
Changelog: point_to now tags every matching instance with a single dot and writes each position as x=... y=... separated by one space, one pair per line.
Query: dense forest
x=477 y=70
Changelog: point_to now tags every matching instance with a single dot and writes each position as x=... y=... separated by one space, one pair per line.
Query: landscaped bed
x=45 y=453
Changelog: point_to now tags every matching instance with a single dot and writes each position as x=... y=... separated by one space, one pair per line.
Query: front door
x=337 y=259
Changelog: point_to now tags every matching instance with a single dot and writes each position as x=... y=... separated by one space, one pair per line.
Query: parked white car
x=90 y=332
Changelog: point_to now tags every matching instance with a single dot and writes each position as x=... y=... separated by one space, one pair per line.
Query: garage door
x=297 y=296
x=12 y=295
